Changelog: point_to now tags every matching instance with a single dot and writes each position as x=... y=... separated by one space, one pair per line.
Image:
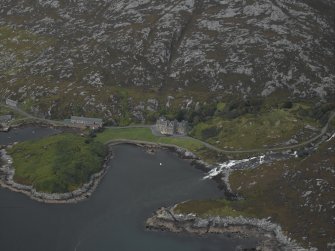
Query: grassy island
x=57 y=164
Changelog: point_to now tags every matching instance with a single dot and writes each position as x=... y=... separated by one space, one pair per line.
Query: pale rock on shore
x=270 y=235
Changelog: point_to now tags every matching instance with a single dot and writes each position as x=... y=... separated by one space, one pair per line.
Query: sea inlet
x=137 y=183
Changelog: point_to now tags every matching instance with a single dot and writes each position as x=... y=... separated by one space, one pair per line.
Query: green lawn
x=59 y=163
x=145 y=134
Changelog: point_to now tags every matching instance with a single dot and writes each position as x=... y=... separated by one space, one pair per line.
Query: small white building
x=11 y=102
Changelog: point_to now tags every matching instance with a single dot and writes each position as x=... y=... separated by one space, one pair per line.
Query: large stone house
x=168 y=127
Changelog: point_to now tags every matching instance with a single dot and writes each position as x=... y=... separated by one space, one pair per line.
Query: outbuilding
x=11 y=102
x=86 y=122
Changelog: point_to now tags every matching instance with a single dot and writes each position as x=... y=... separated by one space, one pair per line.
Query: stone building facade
x=168 y=127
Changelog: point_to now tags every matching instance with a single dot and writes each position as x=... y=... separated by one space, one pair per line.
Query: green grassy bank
x=145 y=134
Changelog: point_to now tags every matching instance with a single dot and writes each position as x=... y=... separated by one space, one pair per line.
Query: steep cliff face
x=240 y=47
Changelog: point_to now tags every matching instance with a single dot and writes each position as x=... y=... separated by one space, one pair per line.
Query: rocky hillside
x=82 y=56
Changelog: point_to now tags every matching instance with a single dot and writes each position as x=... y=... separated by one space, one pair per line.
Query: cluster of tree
x=73 y=165
x=236 y=108
x=195 y=116
x=232 y=109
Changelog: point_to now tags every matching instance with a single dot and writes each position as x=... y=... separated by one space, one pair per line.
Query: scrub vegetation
x=57 y=164
x=296 y=193
x=21 y=45
x=256 y=124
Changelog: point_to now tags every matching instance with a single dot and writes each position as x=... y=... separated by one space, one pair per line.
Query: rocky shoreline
x=6 y=180
x=270 y=235
x=7 y=174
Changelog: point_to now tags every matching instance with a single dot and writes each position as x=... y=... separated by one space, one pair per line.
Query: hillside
x=131 y=59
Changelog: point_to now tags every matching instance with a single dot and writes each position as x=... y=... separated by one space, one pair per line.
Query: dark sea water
x=113 y=218
x=25 y=133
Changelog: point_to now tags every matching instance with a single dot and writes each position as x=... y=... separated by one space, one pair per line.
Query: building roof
x=88 y=120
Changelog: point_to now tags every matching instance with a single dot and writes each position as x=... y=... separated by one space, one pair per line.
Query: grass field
x=59 y=163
